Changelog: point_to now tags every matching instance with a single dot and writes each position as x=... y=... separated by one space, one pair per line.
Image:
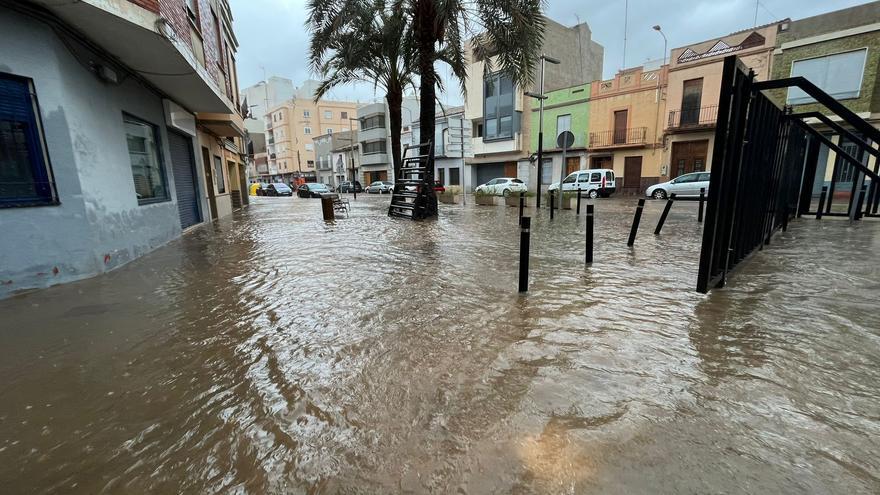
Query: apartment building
x=694 y=85
x=452 y=144
x=495 y=106
x=566 y=109
x=627 y=116
x=259 y=98
x=376 y=160
x=337 y=156
x=291 y=127
x=839 y=52
x=122 y=127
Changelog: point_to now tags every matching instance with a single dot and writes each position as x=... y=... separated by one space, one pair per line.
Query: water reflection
x=279 y=354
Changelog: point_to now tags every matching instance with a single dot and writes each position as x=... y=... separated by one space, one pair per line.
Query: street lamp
x=540 y=96
x=657 y=28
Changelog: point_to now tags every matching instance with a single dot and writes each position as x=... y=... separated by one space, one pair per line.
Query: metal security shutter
x=182 y=162
x=489 y=171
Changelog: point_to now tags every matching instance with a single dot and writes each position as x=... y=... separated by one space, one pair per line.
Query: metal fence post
x=578 y=210
x=665 y=214
x=702 y=203
x=524 y=234
x=522 y=200
x=635 y=226
x=552 y=205
x=861 y=202
x=589 y=251
x=821 y=203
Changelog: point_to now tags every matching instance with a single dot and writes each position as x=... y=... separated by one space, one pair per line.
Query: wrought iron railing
x=693 y=117
x=619 y=137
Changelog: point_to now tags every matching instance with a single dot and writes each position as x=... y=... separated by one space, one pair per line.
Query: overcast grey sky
x=272 y=33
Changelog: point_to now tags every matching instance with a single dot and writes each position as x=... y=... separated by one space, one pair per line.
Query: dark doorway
x=687 y=157
x=185 y=178
x=572 y=164
x=620 y=126
x=209 y=181
x=691 y=99
x=632 y=175
x=601 y=162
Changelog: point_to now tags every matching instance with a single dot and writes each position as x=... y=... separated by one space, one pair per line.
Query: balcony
x=631 y=136
x=688 y=119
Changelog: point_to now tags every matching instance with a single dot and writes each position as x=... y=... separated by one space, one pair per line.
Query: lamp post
x=657 y=28
x=541 y=97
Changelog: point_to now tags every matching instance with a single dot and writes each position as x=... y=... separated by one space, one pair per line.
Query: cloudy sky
x=273 y=37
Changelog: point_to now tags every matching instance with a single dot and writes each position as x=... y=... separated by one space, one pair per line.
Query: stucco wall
x=99 y=224
x=563 y=102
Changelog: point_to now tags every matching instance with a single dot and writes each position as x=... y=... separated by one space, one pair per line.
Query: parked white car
x=683 y=186
x=592 y=183
x=380 y=187
x=502 y=186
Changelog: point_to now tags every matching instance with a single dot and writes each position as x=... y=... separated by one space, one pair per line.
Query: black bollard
x=522 y=201
x=354 y=189
x=578 y=210
x=635 y=226
x=552 y=205
x=702 y=201
x=861 y=202
x=525 y=224
x=589 y=253
x=665 y=214
x=821 y=203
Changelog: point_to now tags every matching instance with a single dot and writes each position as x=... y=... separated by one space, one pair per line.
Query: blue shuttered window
x=25 y=176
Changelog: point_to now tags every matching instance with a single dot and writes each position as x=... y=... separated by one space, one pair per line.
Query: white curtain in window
x=839 y=75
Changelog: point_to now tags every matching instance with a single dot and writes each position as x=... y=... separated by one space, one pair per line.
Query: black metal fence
x=619 y=137
x=692 y=117
x=763 y=167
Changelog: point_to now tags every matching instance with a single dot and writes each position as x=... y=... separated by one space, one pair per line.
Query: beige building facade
x=626 y=126
x=693 y=92
x=290 y=129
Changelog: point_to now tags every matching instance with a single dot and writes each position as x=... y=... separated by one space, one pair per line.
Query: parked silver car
x=380 y=187
x=683 y=186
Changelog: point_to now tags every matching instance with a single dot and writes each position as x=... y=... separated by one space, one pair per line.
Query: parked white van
x=593 y=183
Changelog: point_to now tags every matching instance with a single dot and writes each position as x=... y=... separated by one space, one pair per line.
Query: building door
x=687 y=157
x=572 y=164
x=209 y=179
x=691 y=99
x=632 y=175
x=185 y=178
x=602 y=162
x=510 y=169
x=620 y=126
x=441 y=175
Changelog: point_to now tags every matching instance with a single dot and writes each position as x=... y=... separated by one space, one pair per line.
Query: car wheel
x=659 y=194
x=593 y=194
x=505 y=193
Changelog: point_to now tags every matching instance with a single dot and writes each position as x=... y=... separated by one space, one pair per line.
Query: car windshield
x=517 y=181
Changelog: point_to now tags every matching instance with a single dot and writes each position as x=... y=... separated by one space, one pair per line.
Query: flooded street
x=274 y=353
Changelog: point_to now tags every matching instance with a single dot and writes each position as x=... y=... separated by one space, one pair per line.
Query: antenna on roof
x=625 y=18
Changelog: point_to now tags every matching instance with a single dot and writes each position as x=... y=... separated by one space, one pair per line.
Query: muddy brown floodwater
x=273 y=353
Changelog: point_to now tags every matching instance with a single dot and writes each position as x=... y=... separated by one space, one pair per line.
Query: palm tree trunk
x=426 y=40
x=395 y=102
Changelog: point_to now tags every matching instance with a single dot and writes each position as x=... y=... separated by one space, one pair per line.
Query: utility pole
x=541 y=97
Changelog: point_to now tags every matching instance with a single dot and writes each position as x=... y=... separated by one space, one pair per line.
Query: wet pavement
x=274 y=353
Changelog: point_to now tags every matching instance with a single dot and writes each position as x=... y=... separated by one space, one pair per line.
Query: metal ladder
x=413 y=196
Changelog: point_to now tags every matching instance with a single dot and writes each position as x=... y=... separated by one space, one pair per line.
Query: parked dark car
x=261 y=191
x=279 y=189
x=311 y=190
x=438 y=187
x=348 y=186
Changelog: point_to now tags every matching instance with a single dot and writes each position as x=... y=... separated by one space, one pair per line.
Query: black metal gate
x=764 y=165
x=185 y=178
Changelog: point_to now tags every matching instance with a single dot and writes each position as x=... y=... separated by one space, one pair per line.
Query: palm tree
x=367 y=41
x=510 y=31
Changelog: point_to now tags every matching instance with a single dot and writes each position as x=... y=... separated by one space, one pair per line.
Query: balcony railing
x=693 y=117
x=631 y=136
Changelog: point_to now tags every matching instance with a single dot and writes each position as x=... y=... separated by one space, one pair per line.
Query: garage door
x=489 y=171
x=184 y=178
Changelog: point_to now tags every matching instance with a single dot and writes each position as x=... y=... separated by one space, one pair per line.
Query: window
x=307 y=114
x=584 y=177
x=307 y=130
x=547 y=171
x=218 y=175
x=344 y=115
x=328 y=114
x=691 y=99
x=704 y=178
x=686 y=178
x=454 y=179
x=609 y=176
x=280 y=116
x=563 y=123
x=498 y=107
x=310 y=147
x=839 y=75
x=25 y=175
x=373 y=122
x=570 y=179
x=374 y=147
x=147 y=168
x=198 y=47
x=329 y=130
x=596 y=177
